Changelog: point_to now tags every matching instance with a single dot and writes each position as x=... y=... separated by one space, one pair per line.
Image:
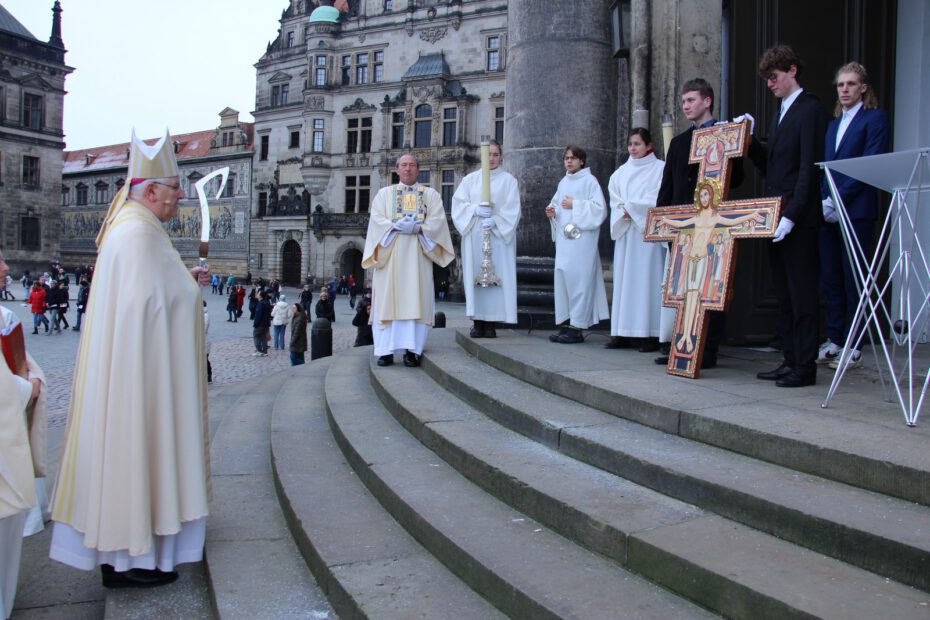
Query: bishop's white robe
x=402 y=291
x=132 y=487
x=22 y=469
x=638 y=264
x=492 y=303
x=580 y=294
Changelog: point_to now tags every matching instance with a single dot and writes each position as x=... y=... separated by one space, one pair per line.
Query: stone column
x=560 y=90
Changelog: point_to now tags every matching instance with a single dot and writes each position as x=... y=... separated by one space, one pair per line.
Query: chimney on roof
x=177 y=146
x=127 y=154
x=55 y=40
x=89 y=157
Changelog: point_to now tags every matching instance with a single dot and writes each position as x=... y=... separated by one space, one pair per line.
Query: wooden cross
x=700 y=267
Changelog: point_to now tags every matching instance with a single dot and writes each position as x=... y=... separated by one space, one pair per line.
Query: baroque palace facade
x=32 y=92
x=341 y=94
x=92 y=177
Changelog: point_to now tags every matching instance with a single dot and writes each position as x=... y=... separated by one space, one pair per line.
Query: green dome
x=324 y=14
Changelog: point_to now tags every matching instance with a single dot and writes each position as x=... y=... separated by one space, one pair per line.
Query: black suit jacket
x=787 y=160
x=679 y=178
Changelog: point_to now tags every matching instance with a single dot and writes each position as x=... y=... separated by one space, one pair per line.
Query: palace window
x=81 y=195
x=290 y=39
x=448 y=188
x=262 y=203
x=358 y=135
x=319 y=125
x=422 y=125
x=499 y=124
x=225 y=139
x=65 y=195
x=379 y=66
x=493 y=50
x=295 y=140
x=358 y=192
x=30 y=172
x=388 y=5
x=361 y=68
x=346 y=69
x=263 y=149
x=279 y=95
x=101 y=193
x=397 y=130
x=32 y=111
x=29 y=233
x=449 y=117
x=423 y=177
x=230 y=190
x=320 y=74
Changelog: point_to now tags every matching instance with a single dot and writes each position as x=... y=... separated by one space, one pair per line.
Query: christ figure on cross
x=703 y=237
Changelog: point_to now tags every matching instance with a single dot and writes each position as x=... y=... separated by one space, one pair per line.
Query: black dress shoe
x=708 y=363
x=385 y=360
x=618 y=342
x=796 y=379
x=774 y=375
x=136 y=577
x=478 y=330
x=489 y=330
x=411 y=359
x=555 y=337
x=648 y=345
x=571 y=336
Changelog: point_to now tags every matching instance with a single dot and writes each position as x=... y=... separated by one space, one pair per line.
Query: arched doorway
x=290 y=263
x=351 y=263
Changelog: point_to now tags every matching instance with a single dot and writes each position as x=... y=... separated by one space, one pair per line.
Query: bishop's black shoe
x=478 y=331
x=775 y=375
x=136 y=577
x=618 y=342
x=411 y=359
x=385 y=360
x=489 y=330
x=555 y=337
x=571 y=336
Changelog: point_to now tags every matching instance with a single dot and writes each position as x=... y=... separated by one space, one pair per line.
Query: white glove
x=484 y=211
x=752 y=121
x=830 y=213
x=407 y=225
x=784 y=227
x=488 y=223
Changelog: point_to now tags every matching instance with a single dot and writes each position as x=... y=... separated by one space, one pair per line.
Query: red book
x=14 y=351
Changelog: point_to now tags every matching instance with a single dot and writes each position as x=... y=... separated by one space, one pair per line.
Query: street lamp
x=620 y=27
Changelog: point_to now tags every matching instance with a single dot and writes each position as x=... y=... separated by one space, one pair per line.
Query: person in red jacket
x=240 y=299
x=37 y=303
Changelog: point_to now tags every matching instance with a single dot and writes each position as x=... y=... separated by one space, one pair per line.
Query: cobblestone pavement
x=230 y=344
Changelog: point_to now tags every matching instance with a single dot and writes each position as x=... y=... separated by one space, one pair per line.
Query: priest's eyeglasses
x=175 y=186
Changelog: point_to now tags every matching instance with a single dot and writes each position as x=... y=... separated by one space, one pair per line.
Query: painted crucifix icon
x=703 y=241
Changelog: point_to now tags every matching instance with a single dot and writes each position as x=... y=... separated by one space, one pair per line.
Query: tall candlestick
x=486 y=169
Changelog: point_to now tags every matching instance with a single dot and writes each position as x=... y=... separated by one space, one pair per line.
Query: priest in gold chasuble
x=407 y=233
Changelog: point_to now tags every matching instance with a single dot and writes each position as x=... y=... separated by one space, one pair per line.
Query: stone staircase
x=516 y=478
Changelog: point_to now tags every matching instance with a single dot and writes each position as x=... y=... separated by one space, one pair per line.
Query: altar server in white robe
x=638 y=265
x=407 y=234
x=132 y=489
x=22 y=458
x=575 y=214
x=492 y=304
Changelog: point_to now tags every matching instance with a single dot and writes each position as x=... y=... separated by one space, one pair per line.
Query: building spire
x=55 y=40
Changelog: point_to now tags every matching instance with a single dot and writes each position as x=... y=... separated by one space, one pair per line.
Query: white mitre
x=145 y=162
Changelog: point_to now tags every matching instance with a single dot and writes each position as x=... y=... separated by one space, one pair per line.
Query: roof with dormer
x=10 y=24
x=429 y=65
x=190 y=146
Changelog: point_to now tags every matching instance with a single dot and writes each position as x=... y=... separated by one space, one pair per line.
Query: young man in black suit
x=679 y=178
x=795 y=143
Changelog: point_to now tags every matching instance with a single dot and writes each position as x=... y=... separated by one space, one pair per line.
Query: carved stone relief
x=431 y=35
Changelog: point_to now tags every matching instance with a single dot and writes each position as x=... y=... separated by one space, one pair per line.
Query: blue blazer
x=867 y=134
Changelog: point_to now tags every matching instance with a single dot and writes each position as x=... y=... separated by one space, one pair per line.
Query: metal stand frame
x=910 y=270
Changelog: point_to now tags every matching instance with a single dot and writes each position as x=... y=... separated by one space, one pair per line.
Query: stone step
x=882 y=534
x=515 y=562
x=187 y=598
x=367 y=564
x=860 y=440
x=635 y=526
x=254 y=568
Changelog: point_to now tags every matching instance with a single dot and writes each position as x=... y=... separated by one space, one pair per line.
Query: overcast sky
x=154 y=63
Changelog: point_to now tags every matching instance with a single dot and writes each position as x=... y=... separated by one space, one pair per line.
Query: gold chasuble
x=135 y=461
x=403 y=266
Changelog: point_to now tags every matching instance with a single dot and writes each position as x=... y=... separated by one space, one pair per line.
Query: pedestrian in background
x=362 y=321
x=232 y=305
x=298 y=344
x=280 y=315
x=324 y=308
x=262 y=323
x=37 y=303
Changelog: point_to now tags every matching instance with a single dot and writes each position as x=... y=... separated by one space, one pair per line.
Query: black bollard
x=439 y=320
x=321 y=339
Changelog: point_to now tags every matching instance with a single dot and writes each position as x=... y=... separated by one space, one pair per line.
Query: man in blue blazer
x=787 y=159
x=859 y=129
